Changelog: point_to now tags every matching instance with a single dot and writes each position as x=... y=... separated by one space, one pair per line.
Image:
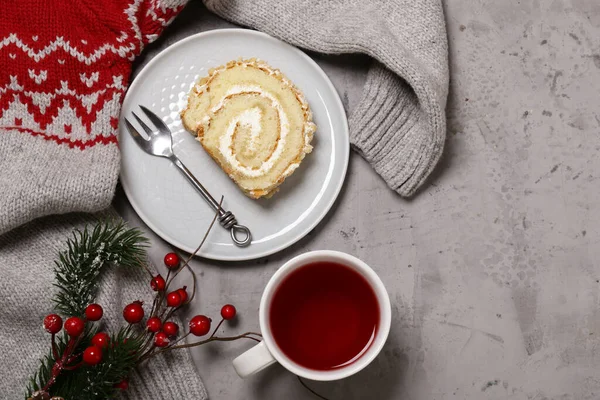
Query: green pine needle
x=39 y=379
x=78 y=268
x=92 y=382
x=77 y=272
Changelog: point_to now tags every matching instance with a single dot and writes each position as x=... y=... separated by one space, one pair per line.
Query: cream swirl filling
x=251 y=118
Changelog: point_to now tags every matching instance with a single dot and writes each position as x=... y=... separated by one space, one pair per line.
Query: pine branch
x=95 y=383
x=77 y=272
x=44 y=373
x=39 y=379
x=87 y=382
x=78 y=268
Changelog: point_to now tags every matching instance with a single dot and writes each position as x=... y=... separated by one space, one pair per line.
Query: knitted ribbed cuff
x=57 y=180
x=389 y=129
x=168 y=376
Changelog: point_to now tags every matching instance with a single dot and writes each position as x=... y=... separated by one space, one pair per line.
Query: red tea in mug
x=324 y=315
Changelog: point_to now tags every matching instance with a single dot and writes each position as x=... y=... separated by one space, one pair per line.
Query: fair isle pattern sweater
x=64 y=71
x=64 y=67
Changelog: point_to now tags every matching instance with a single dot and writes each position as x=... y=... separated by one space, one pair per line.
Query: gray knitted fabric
x=27 y=255
x=399 y=125
x=60 y=94
x=57 y=180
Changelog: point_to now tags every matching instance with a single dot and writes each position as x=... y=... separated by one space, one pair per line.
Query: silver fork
x=160 y=143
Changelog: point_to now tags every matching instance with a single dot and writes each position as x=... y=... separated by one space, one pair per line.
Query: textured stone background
x=492 y=269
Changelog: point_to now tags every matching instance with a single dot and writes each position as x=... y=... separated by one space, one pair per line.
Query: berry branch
x=89 y=364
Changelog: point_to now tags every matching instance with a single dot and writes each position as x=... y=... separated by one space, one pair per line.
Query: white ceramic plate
x=172 y=208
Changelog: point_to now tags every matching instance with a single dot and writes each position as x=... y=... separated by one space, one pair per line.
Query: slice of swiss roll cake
x=253 y=121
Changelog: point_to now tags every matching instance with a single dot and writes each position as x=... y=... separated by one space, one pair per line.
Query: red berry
x=161 y=339
x=123 y=385
x=74 y=326
x=101 y=340
x=170 y=328
x=228 y=311
x=92 y=355
x=94 y=312
x=200 y=325
x=53 y=323
x=183 y=294
x=153 y=324
x=174 y=299
x=172 y=260
x=133 y=313
x=158 y=283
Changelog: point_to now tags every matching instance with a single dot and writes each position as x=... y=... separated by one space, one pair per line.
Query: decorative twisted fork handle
x=160 y=143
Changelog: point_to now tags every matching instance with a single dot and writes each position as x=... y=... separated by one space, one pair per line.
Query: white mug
x=267 y=352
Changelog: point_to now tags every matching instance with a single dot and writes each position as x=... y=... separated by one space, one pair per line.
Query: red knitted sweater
x=64 y=67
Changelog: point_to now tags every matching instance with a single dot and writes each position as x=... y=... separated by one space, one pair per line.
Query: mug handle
x=253 y=360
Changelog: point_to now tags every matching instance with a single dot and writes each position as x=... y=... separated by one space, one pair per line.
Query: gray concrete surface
x=493 y=268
